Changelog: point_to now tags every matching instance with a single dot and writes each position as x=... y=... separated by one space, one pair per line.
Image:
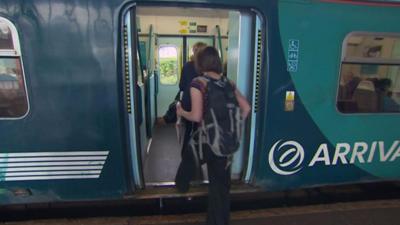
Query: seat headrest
x=366 y=85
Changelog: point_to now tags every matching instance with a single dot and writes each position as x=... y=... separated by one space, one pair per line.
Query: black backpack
x=222 y=124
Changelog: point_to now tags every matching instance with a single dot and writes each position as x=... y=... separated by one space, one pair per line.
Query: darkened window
x=168 y=56
x=13 y=97
x=370 y=73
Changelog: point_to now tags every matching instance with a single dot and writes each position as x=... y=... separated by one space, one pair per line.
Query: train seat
x=366 y=97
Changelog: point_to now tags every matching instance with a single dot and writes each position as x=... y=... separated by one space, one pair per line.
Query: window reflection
x=372 y=47
x=13 y=98
x=6 y=41
x=13 y=101
x=370 y=74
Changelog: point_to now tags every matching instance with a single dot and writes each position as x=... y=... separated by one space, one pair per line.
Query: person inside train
x=386 y=102
x=208 y=63
x=186 y=170
x=350 y=83
x=187 y=74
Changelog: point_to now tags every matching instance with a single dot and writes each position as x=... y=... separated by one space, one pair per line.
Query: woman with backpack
x=203 y=94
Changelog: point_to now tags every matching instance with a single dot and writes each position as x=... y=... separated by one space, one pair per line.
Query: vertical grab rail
x=149 y=61
x=220 y=42
x=148 y=96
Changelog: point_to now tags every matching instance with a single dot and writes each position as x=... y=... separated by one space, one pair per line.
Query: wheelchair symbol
x=293 y=45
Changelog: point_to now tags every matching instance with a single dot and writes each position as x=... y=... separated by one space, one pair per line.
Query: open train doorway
x=162 y=38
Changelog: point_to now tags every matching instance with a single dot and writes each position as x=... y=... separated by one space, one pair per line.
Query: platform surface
x=379 y=212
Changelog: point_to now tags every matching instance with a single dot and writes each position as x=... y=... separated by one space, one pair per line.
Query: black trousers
x=218 y=212
x=187 y=168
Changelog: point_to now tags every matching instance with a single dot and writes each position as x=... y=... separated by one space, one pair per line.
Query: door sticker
x=289 y=101
x=293 y=55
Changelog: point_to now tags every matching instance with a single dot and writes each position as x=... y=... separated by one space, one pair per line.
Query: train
x=83 y=83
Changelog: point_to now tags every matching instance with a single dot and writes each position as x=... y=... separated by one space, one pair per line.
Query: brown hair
x=208 y=60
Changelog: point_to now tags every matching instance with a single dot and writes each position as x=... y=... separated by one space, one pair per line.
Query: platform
x=379 y=212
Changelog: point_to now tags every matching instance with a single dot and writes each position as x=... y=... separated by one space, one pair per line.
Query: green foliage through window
x=168 y=56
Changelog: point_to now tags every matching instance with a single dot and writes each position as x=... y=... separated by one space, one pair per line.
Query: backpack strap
x=202 y=79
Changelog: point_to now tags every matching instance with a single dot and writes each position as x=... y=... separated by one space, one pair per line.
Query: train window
x=6 y=41
x=168 y=56
x=13 y=97
x=370 y=74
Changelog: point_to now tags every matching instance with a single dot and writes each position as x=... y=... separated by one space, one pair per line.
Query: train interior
x=165 y=38
x=369 y=81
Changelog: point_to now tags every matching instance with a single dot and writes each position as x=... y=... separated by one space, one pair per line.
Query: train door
x=163 y=156
x=169 y=52
x=239 y=64
x=155 y=157
x=133 y=97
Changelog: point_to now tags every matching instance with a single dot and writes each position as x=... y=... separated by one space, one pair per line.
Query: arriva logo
x=291 y=157
x=287 y=158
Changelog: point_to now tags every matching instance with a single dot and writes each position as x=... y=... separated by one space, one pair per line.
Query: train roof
x=365 y=2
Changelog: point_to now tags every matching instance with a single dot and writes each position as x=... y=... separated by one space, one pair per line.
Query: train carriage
x=82 y=84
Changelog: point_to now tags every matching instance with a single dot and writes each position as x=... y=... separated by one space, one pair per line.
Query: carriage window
x=370 y=74
x=13 y=98
x=168 y=56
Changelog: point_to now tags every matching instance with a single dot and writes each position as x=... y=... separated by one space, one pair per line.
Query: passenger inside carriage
x=386 y=102
x=188 y=73
x=350 y=83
